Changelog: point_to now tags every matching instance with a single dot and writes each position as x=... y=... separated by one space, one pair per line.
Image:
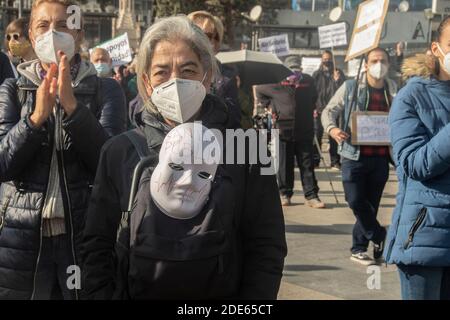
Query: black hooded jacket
x=261 y=235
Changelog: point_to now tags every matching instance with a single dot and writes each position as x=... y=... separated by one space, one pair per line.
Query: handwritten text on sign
x=333 y=35
x=119 y=50
x=370 y=128
x=279 y=45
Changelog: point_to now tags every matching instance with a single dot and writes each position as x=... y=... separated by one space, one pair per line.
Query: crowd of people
x=90 y=174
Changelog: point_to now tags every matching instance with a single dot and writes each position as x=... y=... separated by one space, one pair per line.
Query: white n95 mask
x=446 y=62
x=182 y=180
x=378 y=70
x=179 y=99
x=48 y=44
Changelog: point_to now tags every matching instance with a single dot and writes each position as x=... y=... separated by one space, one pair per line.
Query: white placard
x=333 y=35
x=364 y=40
x=368 y=26
x=309 y=65
x=370 y=128
x=119 y=50
x=278 y=45
x=370 y=12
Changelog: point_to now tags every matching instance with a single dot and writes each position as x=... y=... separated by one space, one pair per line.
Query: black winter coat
x=262 y=243
x=6 y=70
x=25 y=157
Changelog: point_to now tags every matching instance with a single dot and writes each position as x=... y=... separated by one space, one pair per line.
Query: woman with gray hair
x=142 y=241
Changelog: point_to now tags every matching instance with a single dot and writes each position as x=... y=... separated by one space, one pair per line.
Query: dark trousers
x=303 y=151
x=424 y=283
x=364 y=182
x=51 y=277
x=335 y=159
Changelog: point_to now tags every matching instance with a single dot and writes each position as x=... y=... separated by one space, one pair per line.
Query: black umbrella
x=256 y=67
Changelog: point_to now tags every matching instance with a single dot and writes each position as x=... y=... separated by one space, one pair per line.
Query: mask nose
x=186 y=179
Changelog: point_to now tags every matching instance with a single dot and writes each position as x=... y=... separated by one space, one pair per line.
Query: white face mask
x=48 y=44
x=179 y=99
x=180 y=189
x=378 y=70
x=446 y=62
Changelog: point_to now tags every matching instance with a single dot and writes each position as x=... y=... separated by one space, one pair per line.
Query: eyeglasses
x=14 y=36
x=212 y=36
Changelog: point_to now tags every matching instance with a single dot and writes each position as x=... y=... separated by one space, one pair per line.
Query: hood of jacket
x=30 y=71
x=417 y=66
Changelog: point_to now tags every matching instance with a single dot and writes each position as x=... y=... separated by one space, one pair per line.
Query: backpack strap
x=147 y=157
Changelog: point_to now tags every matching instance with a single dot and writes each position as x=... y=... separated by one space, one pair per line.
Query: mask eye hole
x=204 y=175
x=176 y=167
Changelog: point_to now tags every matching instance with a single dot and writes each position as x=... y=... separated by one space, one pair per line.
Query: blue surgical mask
x=103 y=69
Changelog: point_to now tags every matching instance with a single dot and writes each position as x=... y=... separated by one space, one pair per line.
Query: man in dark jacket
x=328 y=79
x=54 y=121
x=6 y=70
x=293 y=102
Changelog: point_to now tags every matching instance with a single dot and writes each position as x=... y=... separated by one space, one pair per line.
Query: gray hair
x=170 y=29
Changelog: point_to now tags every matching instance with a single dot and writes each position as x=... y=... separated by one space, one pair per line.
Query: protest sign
x=370 y=128
x=368 y=26
x=119 y=50
x=309 y=65
x=333 y=35
x=278 y=45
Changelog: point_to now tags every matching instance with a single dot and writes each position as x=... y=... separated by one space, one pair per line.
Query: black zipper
x=415 y=227
x=3 y=212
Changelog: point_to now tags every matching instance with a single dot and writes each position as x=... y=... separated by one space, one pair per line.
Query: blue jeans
x=424 y=283
x=364 y=182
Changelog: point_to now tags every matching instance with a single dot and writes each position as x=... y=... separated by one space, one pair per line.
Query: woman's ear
x=435 y=50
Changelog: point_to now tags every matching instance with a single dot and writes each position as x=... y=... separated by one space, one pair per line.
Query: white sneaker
x=362 y=258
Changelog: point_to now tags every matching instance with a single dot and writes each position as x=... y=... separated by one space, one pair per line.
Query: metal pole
x=20 y=8
x=316 y=142
x=313 y=5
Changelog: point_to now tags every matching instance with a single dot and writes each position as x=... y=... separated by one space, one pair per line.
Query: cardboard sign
x=278 y=45
x=310 y=65
x=333 y=35
x=119 y=50
x=370 y=128
x=368 y=26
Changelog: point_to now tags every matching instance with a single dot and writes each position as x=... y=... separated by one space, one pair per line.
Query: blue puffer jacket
x=420 y=133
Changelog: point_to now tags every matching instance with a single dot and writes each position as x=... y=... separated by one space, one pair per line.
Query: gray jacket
x=339 y=108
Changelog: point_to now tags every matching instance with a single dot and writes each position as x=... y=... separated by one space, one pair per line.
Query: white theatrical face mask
x=179 y=99
x=180 y=186
x=446 y=62
x=378 y=70
x=48 y=44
